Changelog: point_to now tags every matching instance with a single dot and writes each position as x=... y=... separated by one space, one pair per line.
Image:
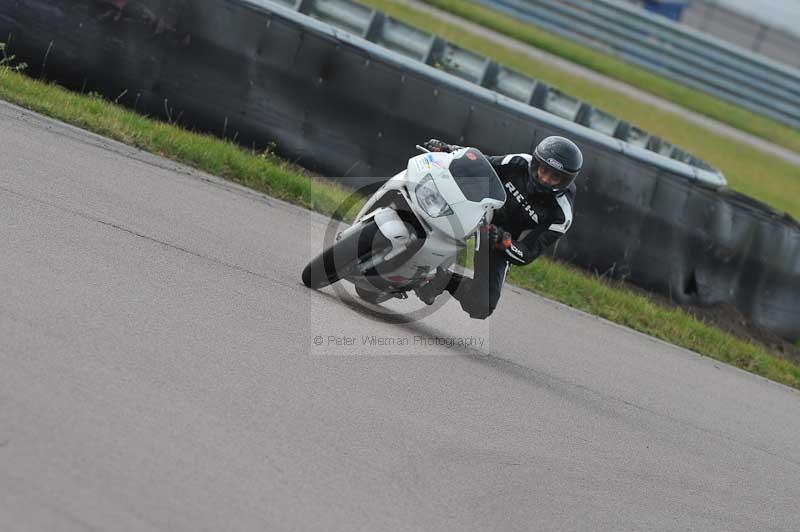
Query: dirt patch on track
x=729 y=319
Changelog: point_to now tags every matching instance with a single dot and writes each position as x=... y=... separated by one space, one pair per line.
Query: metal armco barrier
x=713 y=18
x=469 y=66
x=670 y=49
x=261 y=72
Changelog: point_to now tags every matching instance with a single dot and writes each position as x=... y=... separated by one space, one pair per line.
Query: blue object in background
x=672 y=9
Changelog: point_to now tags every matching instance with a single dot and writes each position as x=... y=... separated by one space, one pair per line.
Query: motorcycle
x=418 y=221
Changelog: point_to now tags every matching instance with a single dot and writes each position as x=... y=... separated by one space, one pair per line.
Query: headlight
x=430 y=200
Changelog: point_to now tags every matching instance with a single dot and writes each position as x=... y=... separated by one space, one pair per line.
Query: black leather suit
x=535 y=222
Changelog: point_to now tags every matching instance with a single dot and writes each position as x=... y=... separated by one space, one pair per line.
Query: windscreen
x=476 y=177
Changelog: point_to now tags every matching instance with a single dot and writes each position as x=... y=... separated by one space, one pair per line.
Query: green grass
x=748 y=170
x=267 y=173
x=617 y=303
x=614 y=302
x=261 y=171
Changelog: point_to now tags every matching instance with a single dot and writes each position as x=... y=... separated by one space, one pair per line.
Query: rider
x=540 y=191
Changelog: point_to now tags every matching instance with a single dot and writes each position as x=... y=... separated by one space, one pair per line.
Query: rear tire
x=336 y=261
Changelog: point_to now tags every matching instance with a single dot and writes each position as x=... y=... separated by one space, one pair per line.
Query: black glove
x=437 y=145
x=497 y=237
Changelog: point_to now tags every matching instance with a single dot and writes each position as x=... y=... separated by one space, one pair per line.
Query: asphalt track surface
x=158 y=371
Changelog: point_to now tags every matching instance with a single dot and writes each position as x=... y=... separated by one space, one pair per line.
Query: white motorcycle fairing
x=425 y=215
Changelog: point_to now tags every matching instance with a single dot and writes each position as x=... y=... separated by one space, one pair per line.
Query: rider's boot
x=431 y=290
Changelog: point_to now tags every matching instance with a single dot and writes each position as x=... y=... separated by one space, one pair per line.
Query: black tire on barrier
x=333 y=263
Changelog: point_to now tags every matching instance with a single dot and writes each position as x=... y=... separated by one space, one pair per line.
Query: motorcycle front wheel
x=345 y=255
x=376 y=298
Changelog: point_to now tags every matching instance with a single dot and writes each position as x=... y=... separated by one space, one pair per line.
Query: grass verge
x=619 y=304
x=262 y=171
x=267 y=173
x=748 y=170
x=696 y=100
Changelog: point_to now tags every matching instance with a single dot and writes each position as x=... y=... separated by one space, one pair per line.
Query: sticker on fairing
x=431 y=160
x=423 y=164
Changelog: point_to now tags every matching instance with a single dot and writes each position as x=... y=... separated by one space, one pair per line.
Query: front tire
x=344 y=255
x=376 y=298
